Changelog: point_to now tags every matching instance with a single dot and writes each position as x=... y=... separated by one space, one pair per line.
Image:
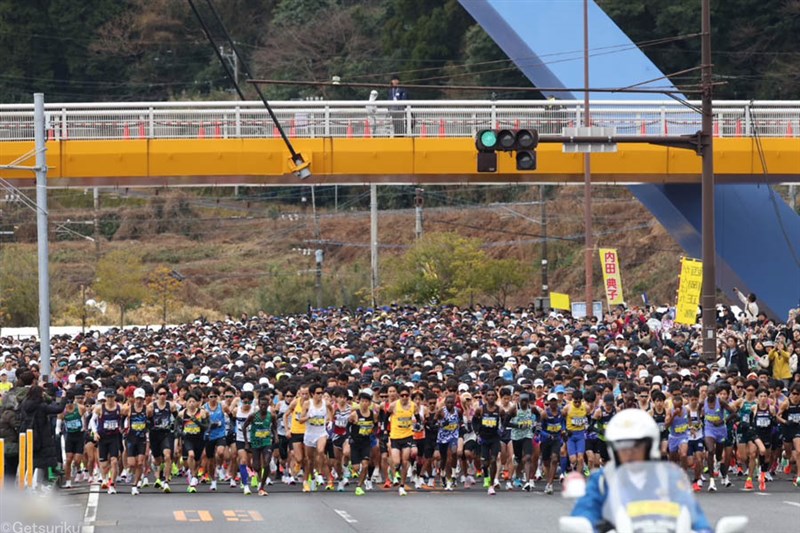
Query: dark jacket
x=738 y=358
x=9 y=420
x=37 y=417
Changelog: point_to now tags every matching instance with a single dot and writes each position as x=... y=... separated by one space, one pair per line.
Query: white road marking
x=762 y=494
x=792 y=503
x=346 y=516
x=90 y=516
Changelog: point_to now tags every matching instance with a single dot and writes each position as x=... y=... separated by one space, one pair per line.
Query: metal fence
x=342 y=119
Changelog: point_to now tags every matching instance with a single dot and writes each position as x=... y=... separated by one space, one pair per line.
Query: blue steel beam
x=758 y=235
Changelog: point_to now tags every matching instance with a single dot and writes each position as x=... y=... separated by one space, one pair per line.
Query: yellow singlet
x=402 y=421
x=298 y=428
x=576 y=417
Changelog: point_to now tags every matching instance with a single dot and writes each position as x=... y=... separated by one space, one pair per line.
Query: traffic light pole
x=587 y=173
x=708 y=299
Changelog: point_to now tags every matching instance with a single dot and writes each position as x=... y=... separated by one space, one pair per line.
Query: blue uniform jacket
x=590 y=506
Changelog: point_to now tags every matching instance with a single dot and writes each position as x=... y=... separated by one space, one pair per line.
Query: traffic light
x=523 y=142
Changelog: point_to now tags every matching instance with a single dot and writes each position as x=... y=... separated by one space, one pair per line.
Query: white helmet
x=633 y=425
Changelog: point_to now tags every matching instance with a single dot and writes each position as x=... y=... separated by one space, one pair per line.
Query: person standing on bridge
x=398 y=112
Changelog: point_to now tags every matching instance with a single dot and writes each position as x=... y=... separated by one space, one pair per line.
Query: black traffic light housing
x=523 y=142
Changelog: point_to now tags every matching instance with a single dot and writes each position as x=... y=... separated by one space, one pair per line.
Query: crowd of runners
x=401 y=398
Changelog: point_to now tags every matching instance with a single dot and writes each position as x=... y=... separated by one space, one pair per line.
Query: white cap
x=263 y=381
x=101 y=396
x=204 y=379
x=538 y=382
x=138 y=393
x=658 y=379
x=463 y=387
x=247 y=387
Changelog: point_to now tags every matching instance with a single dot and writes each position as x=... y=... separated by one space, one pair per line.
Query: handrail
x=414 y=118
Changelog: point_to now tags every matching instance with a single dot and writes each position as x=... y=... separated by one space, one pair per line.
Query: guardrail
x=359 y=119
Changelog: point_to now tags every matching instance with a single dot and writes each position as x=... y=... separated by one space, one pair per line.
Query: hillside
x=244 y=256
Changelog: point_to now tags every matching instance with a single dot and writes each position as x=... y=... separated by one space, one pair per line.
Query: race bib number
x=110 y=425
x=262 y=433
x=762 y=422
x=489 y=422
x=74 y=425
x=138 y=426
x=317 y=421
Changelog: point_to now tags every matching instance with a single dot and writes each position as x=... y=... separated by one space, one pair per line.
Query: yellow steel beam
x=422 y=160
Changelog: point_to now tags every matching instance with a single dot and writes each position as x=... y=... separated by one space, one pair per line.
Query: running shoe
x=268 y=481
x=111 y=489
x=368 y=484
x=548 y=489
x=359 y=491
x=469 y=482
x=387 y=485
x=762 y=482
x=748 y=484
x=262 y=492
x=254 y=481
x=487 y=483
x=796 y=482
x=340 y=486
x=68 y=484
x=739 y=471
x=509 y=485
x=175 y=470
x=213 y=487
x=191 y=489
x=696 y=486
x=165 y=488
x=726 y=482
x=431 y=482
x=247 y=491
x=158 y=483
x=527 y=487
x=313 y=485
x=402 y=491
x=712 y=485
x=491 y=491
x=104 y=485
x=145 y=482
x=418 y=483
x=330 y=486
x=517 y=483
x=787 y=469
x=768 y=476
x=306 y=486
x=233 y=483
x=134 y=491
x=449 y=486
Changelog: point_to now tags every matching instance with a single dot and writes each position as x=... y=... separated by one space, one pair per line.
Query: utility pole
x=317 y=231
x=83 y=309
x=373 y=241
x=587 y=171
x=418 y=203
x=96 y=203
x=41 y=234
x=233 y=61
x=319 y=255
x=709 y=326
x=545 y=285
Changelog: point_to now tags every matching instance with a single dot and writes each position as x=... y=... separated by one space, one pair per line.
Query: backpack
x=12 y=419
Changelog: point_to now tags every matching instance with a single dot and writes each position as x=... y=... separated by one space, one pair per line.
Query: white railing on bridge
x=359 y=119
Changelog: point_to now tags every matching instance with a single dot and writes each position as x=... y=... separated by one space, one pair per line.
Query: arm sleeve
x=590 y=505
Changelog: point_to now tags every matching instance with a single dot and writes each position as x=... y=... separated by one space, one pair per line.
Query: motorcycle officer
x=631 y=435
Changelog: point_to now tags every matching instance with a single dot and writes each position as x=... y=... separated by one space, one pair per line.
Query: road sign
x=583 y=148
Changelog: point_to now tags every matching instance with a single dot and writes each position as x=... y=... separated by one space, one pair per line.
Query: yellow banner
x=559 y=301
x=689 y=290
x=612 y=279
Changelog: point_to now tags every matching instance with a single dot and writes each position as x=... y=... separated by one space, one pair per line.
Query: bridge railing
x=359 y=119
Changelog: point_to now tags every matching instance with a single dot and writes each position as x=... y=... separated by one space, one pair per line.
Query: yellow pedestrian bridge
x=355 y=142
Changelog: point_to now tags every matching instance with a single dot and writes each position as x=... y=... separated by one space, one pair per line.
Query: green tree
x=120 y=280
x=439 y=267
x=19 y=286
x=500 y=278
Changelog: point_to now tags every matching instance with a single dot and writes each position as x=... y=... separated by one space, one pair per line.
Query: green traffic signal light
x=486 y=140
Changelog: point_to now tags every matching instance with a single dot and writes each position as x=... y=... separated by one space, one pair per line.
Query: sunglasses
x=384 y=396
x=228 y=397
x=213 y=396
x=288 y=395
x=162 y=393
x=750 y=390
x=246 y=402
x=404 y=395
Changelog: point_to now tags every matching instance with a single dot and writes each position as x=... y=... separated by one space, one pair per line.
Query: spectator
x=36 y=411
x=398 y=112
x=750 y=306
